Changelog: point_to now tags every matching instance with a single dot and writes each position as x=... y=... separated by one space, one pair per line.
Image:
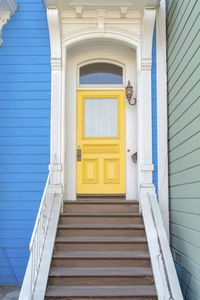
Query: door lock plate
x=78 y=154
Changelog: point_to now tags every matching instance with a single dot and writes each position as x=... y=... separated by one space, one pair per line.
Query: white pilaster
x=145 y=116
x=56 y=77
x=162 y=114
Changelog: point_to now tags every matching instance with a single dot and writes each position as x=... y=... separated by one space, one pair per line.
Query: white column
x=56 y=87
x=162 y=114
x=145 y=112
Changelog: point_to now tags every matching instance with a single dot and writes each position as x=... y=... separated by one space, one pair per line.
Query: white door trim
x=93 y=51
x=144 y=61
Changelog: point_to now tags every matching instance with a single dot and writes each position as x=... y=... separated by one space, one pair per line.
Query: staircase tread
x=59 y=272
x=84 y=291
x=102 y=254
x=101 y=239
x=101 y=226
x=101 y=202
x=101 y=214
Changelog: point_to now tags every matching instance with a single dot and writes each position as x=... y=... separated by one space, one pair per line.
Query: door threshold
x=101 y=196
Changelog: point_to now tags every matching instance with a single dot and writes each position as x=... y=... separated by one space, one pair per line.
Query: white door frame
x=143 y=49
x=81 y=54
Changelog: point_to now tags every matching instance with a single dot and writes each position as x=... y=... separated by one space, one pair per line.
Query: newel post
x=56 y=87
x=145 y=107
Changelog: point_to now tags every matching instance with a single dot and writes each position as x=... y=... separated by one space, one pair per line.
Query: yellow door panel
x=90 y=171
x=111 y=171
x=101 y=142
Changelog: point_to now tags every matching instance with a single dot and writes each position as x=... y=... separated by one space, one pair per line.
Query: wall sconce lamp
x=129 y=94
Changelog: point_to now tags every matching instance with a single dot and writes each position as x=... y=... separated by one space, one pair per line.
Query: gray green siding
x=183 y=38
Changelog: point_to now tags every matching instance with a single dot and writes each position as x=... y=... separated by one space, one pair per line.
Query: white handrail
x=38 y=238
x=165 y=277
x=40 y=211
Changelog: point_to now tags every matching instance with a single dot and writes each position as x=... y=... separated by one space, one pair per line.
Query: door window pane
x=101 y=118
x=101 y=73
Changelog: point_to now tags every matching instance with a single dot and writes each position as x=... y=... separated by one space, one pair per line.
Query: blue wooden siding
x=154 y=112
x=24 y=133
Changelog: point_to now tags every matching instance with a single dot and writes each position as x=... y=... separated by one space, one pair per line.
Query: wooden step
x=101 y=206
x=103 y=197
x=101 y=292
x=101 y=244
x=81 y=259
x=101 y=218
x=101 y=230
x=100 y=276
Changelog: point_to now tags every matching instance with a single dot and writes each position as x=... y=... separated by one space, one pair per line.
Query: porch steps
x=100 y=252
x=101 y=218
x=100 y=230
x=101 y=206
x=101 y=292
x=101 y=244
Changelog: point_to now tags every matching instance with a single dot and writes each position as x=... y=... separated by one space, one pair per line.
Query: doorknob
x=78 y=154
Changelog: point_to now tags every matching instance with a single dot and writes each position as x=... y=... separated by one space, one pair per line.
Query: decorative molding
x=88 y=21
x=147 y=37
x=56 y=64
x=100 y=3
x=54 y=32
x=7 y=9
x=79 y=11
x=55 y=167
x=147 y=167
x=123 y=11
x=146 y=63
x=101 y=14
x=132 y=40
x=4 y=17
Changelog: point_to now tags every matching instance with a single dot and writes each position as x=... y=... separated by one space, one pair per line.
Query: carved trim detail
x=147 y=37
x=54 y=32
x=4 y=17
x=123 y=11
x=56 y=64
x=79 y=11
x=101 y=13
x=7 y=9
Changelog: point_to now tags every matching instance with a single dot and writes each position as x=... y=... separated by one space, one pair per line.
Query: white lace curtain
x=101 y=117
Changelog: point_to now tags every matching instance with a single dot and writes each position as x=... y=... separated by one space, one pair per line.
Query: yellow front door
x=101 y=142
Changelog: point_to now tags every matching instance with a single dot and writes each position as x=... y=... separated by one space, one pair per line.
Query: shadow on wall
x=7 y=263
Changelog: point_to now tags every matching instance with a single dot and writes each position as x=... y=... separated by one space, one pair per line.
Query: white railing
x=36 y=245
x=165 y=277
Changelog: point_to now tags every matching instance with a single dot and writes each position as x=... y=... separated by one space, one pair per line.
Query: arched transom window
x=101 y=73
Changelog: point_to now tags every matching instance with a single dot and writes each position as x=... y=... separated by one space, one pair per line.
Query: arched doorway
x=107 y=54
